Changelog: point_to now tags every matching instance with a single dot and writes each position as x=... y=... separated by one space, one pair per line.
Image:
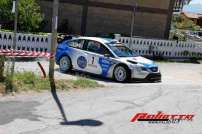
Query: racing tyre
x=65 y=64
x=121 y=74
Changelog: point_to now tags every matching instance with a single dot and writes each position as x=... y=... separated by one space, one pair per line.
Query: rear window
x=76 y=44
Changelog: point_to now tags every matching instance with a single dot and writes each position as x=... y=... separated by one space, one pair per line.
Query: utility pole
x=132 y=25
x=14 y=10
x=52 y=58
x=53 y=43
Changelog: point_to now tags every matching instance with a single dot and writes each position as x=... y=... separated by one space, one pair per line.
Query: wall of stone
x=70 y=12
x=112 y=16
x=163 y=4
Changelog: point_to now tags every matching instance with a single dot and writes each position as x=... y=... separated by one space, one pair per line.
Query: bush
x=181 y=22
x=177 y=35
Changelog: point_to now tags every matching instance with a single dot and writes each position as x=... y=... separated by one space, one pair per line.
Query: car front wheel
x=65 y=64
x=120 y=74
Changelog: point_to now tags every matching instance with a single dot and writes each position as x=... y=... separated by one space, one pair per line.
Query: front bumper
x=148 y=76
x=153 y=77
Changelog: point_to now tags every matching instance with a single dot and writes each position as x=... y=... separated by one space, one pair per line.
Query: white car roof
x=99 y=39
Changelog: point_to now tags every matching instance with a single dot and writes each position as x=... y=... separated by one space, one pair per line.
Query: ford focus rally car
x=105 y=57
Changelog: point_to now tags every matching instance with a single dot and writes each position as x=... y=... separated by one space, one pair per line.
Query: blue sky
x=196 y=2
x=195 y=6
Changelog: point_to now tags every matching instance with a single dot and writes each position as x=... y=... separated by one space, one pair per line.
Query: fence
x=26 y=42
x=162 y=48
x=147 y=47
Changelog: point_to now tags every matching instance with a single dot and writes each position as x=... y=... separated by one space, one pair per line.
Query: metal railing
x=163 y=48
x=27 y=42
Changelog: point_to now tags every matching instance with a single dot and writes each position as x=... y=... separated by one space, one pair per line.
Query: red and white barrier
x=23 y=53
x=27 y=45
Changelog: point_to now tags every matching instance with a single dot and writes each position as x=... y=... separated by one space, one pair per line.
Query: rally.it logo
x=161 y=117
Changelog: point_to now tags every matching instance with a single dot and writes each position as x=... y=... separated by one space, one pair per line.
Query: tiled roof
x=192 y=15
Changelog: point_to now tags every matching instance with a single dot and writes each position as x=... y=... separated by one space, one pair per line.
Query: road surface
x=107 y=110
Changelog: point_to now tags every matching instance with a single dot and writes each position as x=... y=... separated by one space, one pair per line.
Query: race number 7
x=93 y=60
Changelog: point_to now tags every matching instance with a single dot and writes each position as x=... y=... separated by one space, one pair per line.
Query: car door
x=78 y=56
x=99 y=58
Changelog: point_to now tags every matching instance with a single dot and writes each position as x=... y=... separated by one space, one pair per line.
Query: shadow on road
x=84 y=122
x=87 y=75
x=13 y=110
x=59 y=104
x=103 y=79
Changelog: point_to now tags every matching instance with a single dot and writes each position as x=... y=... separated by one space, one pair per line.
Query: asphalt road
x=110 y=109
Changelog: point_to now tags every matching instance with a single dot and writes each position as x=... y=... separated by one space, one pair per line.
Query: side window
x=98 y=48
x=93 y=46
x=77 y=44
x=104 y=51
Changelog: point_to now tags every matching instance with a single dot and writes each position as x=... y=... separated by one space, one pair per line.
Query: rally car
x=105 y=57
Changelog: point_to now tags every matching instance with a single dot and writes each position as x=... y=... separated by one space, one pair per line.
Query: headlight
x=141 y=68
x=154 y=69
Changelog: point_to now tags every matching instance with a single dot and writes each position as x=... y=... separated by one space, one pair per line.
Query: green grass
x=80 y=83
x=29 y=81
x=25 y=81
x=84 y=83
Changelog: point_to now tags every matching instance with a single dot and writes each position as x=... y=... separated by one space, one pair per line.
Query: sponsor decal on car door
x=79 y=57
x=105 y=64
x=98 y=63
x=93 y=63
x=93 y=50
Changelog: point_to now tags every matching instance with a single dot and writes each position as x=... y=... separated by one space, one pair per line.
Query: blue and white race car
x=105 y=57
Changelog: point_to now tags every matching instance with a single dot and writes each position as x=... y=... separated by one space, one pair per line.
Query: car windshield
x=121 y=50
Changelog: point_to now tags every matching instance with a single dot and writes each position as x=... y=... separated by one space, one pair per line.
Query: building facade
x=95 y=17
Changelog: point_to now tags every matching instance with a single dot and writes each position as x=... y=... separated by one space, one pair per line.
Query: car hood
x=140 y=60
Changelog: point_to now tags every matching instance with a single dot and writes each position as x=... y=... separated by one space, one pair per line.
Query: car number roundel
x=82 y=62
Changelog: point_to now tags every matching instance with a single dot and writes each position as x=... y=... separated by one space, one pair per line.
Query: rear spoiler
x=65 y=37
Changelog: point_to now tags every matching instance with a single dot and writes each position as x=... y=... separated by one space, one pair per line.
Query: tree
x=5 y=12
x=30 y=16
x=181 y=22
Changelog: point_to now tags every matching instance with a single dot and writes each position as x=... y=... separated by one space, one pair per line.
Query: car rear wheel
x=65 y=64
x=120 y=74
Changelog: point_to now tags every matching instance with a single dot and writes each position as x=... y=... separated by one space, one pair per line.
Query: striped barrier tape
x=23 y=53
